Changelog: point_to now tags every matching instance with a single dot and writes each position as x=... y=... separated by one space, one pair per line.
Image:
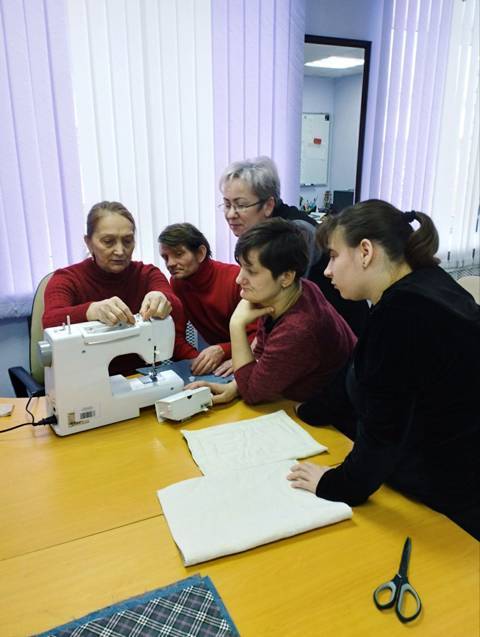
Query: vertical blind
x=144 y=105
x=40 y=210
x=142 y=102
x=147 y=102
x=257 y=81
x=425 y=149
x=168 y=93
x=455 y=187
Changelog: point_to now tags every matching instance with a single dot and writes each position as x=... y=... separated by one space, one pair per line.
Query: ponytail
x=381 y=222
x=422 y=244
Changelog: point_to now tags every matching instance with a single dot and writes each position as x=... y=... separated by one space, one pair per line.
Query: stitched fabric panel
x=183 y=609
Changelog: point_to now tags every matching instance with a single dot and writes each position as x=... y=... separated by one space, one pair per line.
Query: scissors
x=399 y=586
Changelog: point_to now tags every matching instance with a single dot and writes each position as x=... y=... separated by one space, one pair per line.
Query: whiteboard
x=314 y=152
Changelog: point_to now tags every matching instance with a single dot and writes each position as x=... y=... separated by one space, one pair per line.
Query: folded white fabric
x=218 y=515
x=249 y=443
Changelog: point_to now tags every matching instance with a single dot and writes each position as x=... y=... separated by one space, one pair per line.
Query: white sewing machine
x=81 y=394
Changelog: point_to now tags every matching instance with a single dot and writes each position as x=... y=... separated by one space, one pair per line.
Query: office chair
x=31 y=383
x=472 y=285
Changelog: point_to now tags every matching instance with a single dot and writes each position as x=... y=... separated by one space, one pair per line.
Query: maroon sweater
x=297 y=353
x=209 y=297
x=71 y=290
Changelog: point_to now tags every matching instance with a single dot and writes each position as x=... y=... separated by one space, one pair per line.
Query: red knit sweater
x=209 y=297
x=298 y=353
x=71 y=290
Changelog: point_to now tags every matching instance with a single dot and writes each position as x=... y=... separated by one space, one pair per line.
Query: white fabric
x=249 y=443
x=227 y=513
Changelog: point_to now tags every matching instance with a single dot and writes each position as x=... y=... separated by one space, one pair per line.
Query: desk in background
x=81 y=528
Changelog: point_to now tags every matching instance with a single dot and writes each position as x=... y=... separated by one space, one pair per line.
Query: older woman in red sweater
x=110 y=287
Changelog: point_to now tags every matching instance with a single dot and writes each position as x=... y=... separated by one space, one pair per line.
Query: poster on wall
x=314 y=151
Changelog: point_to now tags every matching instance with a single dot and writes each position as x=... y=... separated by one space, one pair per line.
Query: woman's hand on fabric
x=208 y=360
x=155 y=304
x=246 y=313
x=225 y=369
x=110 y=311
x=221 y=393
x=306 y=475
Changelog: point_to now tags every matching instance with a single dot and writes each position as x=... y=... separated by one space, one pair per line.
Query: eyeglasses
x=239 y=207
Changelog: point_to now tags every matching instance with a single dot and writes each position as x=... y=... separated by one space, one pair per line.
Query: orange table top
x=81 y=528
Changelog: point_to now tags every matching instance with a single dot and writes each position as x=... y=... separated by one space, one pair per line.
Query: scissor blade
x=407 y=548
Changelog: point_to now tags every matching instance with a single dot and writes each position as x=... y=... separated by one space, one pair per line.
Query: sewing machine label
x=82 y=416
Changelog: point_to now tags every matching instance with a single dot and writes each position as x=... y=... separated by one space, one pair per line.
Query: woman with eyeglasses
x=301 y=341
x=251 y=194
x=409 y=400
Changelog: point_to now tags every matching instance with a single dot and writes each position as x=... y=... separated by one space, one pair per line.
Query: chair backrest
x=472 y=285
x=36 y=329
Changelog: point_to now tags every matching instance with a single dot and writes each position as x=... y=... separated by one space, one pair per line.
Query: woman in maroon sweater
x=110 y=287
x=301 y=339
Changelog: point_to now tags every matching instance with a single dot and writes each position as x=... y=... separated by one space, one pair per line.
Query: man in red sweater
x=208 y=291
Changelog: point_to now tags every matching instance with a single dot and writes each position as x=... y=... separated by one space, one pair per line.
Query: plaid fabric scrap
x=187 y=608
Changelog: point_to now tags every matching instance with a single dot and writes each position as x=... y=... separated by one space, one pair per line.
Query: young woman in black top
x=409 y=399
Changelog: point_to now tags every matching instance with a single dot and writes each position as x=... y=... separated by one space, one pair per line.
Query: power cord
x=51 y=420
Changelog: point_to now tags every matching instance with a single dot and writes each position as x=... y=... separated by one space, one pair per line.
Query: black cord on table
x=44 y=421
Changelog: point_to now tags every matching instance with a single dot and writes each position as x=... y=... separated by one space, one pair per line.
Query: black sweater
x=413 y=390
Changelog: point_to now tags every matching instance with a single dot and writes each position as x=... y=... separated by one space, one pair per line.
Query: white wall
x=343 y=18
x=318 y=94
x=318 y=97
x=344 y=138
x=360 y=20
x=341 y=98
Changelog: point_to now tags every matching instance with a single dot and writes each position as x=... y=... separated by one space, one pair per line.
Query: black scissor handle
x=406 y=588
